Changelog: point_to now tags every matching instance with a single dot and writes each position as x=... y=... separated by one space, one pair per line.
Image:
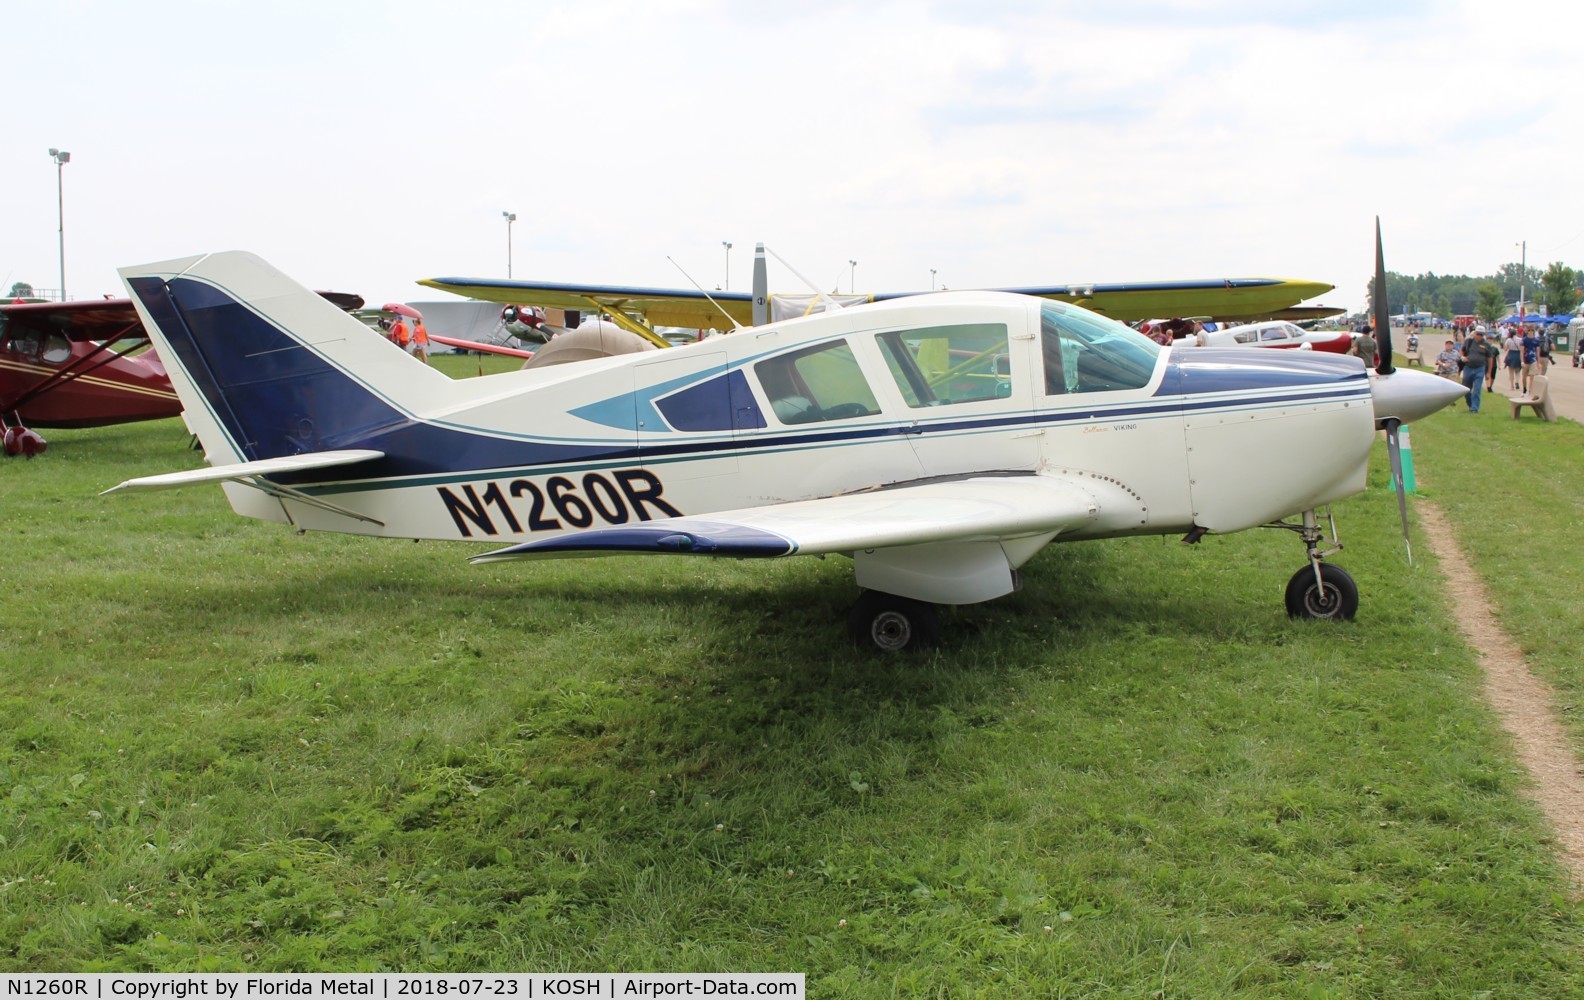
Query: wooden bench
x=1538 y=398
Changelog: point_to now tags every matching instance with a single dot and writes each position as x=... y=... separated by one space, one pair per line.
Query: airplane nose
x=1409 y=395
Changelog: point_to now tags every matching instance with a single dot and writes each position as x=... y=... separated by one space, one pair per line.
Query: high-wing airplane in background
x=642 y=310
x=78 y=364
x=938 y=440
x=59 y=367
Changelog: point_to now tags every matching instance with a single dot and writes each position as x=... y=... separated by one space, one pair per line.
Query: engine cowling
x=525 y=323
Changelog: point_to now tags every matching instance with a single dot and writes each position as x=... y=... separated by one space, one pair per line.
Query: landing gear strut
x=1320 y=590
x=893 y=624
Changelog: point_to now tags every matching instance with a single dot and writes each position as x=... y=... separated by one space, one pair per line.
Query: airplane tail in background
x=265 y=367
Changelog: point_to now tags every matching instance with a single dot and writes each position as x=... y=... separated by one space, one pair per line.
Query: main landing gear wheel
x=1334 y=597
x=893 y=624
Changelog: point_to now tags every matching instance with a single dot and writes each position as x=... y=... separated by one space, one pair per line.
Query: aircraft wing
x=88 y=319
x=1218 y=299
x=103 y=319
x=246 y=470
x=984 y=508
x=1221 y=299
x=474 y=345
x=660 y=306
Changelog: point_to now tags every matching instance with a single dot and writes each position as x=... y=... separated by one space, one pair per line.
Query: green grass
x=1513 y=489
x=225 y=746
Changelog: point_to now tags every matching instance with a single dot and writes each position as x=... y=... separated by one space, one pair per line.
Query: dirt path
x=1521 y=700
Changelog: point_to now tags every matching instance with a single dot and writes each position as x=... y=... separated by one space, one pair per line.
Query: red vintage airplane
x=60 y=367
x=82 y=364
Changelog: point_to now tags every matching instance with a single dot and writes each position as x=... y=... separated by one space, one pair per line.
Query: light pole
x=728 y=247
x=510 y=217
x=1523 y=273
x=852 y=278
x=61 y=158
x=932 y=279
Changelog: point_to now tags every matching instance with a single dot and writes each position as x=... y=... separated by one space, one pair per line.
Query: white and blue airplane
x=939 y=441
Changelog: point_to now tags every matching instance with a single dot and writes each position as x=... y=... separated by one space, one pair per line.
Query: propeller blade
x=1382 y=308
x=1394 y=452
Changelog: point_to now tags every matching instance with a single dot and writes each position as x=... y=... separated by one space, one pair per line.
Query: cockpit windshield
x=1085 y=352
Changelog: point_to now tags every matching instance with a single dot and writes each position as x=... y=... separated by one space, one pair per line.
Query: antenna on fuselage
x=821 y=293
x=707 y=295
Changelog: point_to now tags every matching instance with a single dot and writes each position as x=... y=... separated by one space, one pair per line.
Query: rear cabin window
x=944 y=365
x=1088 y=353
x=56 y=349
x=816 y=384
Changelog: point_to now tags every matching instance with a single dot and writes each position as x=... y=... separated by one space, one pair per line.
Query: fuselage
x=1281 y=335
x=950 y=385
x=49 y=381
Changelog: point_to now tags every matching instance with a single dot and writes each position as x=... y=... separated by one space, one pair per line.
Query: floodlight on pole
x=1523 y=274
x=728 y=246
x=510 y=217
x=852 y=278
x=932 y=279
x=61 y=158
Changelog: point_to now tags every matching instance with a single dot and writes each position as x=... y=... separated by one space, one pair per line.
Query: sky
x=360 y=146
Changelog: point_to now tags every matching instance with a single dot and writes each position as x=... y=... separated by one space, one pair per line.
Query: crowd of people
x=1474 y=358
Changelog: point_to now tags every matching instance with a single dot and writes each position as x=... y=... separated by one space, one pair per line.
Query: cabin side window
x=816 y=384
x=1084 y=352
x=56 y=349
x=944 y=365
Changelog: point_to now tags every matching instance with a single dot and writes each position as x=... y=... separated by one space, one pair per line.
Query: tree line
x=1488 y=297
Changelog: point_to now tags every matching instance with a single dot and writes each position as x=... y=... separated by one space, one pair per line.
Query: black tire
x=1336 y=598
x=892 y=624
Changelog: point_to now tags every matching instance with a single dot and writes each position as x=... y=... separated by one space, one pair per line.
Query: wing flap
x=246 y=470
x=980 y=509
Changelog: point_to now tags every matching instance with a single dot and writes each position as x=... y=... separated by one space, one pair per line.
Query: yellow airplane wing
x=1240 y=299
x=1220 y=299
x=658 y=306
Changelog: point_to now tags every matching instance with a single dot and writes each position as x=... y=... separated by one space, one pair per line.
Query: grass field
x=229 y=747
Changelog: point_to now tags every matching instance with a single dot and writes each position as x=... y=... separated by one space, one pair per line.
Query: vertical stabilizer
x=267 y=368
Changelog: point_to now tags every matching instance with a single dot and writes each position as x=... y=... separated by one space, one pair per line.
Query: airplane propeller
x=1384 y=369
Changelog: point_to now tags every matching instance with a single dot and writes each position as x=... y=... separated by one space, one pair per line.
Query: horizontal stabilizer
x=983 y=508
x=247 y=470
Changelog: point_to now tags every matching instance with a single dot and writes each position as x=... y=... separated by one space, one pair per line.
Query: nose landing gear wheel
x=1333 y=598
x=892 y=624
